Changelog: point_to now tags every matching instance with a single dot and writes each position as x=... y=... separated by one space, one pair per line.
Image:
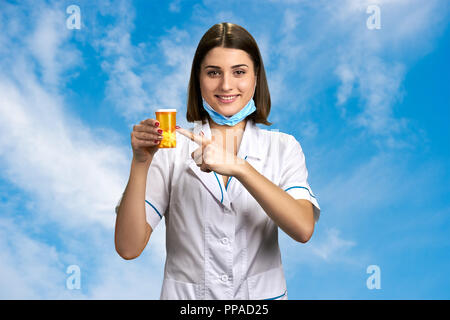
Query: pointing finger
x=200 y=140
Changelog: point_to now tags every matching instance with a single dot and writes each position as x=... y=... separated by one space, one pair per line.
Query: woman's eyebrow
x=233 y=67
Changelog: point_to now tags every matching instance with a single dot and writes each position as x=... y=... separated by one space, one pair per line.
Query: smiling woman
x=222 y=233
x=214 y=59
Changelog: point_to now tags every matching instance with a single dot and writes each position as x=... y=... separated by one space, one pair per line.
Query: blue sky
x=370 y=108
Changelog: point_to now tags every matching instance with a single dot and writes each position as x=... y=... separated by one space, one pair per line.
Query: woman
x=227 y=186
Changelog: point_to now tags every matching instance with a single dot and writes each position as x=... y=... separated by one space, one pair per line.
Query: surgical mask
x=234 y=119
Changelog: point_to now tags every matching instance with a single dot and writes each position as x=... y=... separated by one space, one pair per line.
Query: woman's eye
x=214 y=73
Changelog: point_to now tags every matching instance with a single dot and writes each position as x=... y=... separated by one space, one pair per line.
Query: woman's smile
x=227 y=98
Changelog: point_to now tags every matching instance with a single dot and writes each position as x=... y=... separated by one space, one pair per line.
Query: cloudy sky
x=367 y=102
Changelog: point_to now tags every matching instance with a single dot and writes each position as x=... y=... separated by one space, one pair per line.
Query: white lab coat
x=220 y=243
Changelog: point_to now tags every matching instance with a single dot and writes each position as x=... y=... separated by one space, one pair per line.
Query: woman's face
x=227 y=79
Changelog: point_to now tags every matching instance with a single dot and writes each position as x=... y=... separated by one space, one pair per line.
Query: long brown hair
x=228 y=35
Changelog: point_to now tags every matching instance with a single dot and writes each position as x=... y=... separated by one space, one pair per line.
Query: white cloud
x=381 y=182
x=56 y=160
x=125 y=88
x=74 y=181
x=363 y=71
x=69 y=176
x=174 y=6
x=347 y=76
x=170 y=90
x=30 y=269
x=378 y=85
x=119 y=279
x=361 y=193
x=332 y=247
x=48 y=44
x=324 y=43
x=327 y=246
x=309 y=129
x=145 y=76
x=34 y=269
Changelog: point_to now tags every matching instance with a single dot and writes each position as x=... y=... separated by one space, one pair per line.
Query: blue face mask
x=231 y=120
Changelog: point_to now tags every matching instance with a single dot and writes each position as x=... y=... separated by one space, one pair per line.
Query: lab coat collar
x=248 y=150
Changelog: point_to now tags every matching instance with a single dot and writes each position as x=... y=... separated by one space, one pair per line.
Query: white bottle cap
x=166 y=110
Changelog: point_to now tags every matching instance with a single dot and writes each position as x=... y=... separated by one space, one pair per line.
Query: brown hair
x=228 y=35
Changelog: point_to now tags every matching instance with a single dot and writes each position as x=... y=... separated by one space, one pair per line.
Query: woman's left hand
x=210 y=156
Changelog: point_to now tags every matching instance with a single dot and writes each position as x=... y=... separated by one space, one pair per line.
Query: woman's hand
x=211 y=156
x=145 y=139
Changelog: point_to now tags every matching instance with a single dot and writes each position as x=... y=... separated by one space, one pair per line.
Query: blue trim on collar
x=221 y=201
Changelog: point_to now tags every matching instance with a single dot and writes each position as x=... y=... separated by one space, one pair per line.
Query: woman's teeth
x=227 y=97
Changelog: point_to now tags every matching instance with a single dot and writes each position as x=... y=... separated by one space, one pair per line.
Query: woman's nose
x=227 y=82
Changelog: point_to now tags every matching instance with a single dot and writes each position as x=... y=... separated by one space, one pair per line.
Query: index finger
x=150 y=122
x=202 y=141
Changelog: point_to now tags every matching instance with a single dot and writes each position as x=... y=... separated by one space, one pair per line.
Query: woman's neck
x=229 y=137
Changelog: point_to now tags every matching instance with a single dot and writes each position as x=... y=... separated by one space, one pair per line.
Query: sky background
x=370 y=108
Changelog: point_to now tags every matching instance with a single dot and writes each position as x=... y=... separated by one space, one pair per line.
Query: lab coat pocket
x=268 y=285
x=177 y=290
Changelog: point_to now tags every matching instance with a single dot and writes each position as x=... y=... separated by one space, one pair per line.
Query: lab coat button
x=224 y=278
x=225 y=241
